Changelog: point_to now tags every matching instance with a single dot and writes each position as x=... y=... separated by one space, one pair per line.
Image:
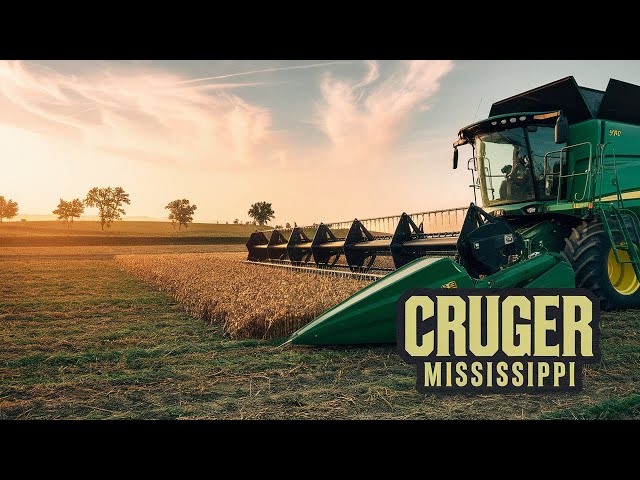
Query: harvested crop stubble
x=250 y=301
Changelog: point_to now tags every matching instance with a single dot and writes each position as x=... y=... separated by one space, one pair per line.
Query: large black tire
x=587 y=250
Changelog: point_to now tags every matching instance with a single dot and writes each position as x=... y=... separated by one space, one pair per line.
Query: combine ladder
x=613 y=214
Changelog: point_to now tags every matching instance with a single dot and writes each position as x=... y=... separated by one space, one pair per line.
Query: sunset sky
x=321 y=140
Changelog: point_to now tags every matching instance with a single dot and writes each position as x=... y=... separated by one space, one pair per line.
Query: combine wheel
x=589 y=252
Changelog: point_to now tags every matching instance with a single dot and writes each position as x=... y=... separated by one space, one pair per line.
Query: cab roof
x=619 y=102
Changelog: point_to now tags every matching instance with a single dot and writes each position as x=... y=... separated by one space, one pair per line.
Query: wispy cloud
x=372 y=74
x=154 y=115
x=266 y=70
x=363 y=118
x=63 y=132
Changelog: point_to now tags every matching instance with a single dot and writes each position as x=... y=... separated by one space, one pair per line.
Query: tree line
x=110 y=203
x=108 y=200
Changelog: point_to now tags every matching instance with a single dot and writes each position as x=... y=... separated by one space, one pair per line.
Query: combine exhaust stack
x=359 y=249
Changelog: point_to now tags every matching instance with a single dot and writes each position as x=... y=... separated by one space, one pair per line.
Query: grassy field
x=123 y=229
x=80 y=340
x=88 y=233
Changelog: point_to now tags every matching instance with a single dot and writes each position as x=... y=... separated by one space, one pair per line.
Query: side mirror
x=455 y=158
x=562 y=130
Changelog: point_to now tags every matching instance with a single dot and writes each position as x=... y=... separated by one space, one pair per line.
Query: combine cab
x=556 y=172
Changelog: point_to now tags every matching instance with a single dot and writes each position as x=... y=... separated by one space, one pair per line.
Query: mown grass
x=79 y=339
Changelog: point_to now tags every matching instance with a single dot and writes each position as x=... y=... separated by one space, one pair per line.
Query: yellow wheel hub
x=621 y=275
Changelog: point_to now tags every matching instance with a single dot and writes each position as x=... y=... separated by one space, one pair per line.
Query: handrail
x=389 y=222
x=473 y=178
x=615 y=172
x=490 y=175
x=571 y=175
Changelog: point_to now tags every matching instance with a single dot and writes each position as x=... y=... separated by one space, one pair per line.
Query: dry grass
x=249 y=301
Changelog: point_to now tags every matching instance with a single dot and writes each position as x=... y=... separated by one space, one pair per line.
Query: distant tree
x=278 y=226
x=261 y=212
x=247 y=222
x=76 y=209
x=288 y=225
x=181 y=212
x=62 y=211
x=8 y=208
x=109 y=202
x=67 y=211
x=236 y=221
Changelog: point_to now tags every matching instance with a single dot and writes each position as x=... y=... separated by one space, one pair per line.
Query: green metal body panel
x=578 y=160
x=559 y=276
x=625 y=145
x=369 y=316
x=546 y=235
x=523 y=273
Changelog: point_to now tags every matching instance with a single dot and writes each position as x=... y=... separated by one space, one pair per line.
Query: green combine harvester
x=557 y=170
